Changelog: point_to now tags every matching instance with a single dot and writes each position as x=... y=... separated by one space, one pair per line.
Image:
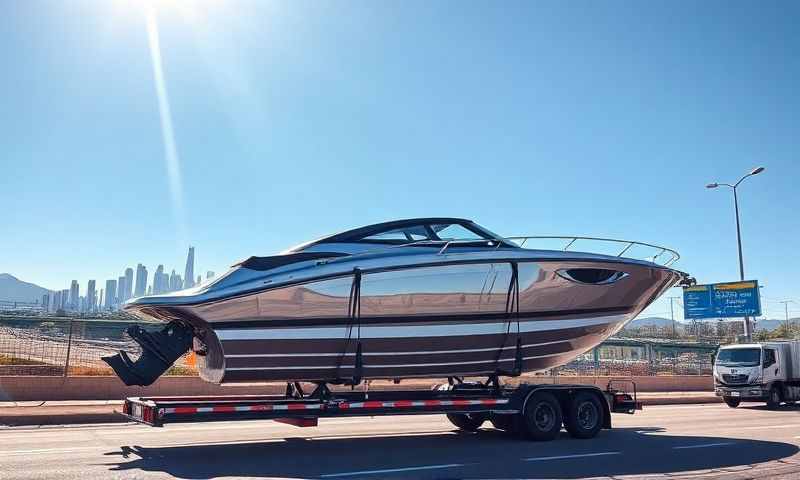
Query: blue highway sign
x=722 y=300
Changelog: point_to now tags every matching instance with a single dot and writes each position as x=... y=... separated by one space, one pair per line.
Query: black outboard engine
x=159 y=351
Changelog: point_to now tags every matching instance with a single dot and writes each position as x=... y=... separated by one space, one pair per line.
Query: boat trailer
x=534 y=411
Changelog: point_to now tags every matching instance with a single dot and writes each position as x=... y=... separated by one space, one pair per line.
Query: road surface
x=701 y=441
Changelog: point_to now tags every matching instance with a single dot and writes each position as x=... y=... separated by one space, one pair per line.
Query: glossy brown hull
x=271 y=336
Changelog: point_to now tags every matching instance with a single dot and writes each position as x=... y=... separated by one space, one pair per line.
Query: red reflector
x=185 y=410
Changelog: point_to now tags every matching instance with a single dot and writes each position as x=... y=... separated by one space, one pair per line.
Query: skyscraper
x=120 y=291
x=174 y=281
x=141 y=281
x=74 y=296
x=64 y=299
x=160 y=281
x=209 y=274
x=128 y=283
x=188 y=275
x=91 y=296
x=111 y=294
x=46 y=302
x=56 y=300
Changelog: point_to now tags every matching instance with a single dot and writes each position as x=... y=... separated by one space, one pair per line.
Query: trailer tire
x=507 y=423
x=541 y=418
x=469 y=422
x=774 y=400
x=731 y=402
x=584 y=417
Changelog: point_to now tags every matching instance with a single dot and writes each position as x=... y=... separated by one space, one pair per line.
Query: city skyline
x=118 y=290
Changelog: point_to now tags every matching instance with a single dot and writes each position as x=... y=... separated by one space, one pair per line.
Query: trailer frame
x=474 y=400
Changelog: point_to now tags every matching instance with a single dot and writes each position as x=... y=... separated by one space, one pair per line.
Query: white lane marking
x=577 y=455
x=703 y=445
x=392 y=470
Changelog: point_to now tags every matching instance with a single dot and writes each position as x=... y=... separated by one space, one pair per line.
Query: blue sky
x=296 y=119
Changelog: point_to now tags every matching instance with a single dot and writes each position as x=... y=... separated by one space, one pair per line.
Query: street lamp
x=755 y=171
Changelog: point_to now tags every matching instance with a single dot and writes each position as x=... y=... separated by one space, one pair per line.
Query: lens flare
x=171 y=157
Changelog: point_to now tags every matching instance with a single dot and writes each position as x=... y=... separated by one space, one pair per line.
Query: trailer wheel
x=731 y=402
x=507 y=423
x=585 y=416
x=469 y=422
x=541 y=419
x=774 y=400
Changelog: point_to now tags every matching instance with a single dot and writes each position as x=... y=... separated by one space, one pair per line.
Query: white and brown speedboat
x=430 y=297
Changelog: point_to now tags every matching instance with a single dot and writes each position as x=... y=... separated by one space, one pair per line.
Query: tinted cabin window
x=455 y=231
x=597 y=276
x=448 y=289
x=408 y=234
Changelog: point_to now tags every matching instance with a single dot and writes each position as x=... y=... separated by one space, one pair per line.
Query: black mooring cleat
x=159 y=351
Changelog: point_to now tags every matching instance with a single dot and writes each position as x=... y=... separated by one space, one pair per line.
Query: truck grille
x=732 y=379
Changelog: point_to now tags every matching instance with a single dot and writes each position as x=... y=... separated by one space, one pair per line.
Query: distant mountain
x=652 y=322
x=15 y=290
x=771 y=324
x=761 y=324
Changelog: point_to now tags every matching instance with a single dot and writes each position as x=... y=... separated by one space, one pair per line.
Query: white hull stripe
x=411 y=331
x=401 y=365
x=383 y=354
x=342 y=406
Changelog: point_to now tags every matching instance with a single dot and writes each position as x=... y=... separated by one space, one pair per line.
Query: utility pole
x=786 y=311
x=672 y=315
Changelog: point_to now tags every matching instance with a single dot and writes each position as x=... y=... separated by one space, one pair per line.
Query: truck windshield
x=739 y=356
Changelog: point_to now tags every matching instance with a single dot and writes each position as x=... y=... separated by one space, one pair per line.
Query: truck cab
x=757 y=372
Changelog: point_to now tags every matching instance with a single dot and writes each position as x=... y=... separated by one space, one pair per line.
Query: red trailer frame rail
x=465 y=405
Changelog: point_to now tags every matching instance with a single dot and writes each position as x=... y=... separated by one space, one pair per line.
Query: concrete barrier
x=28 y=388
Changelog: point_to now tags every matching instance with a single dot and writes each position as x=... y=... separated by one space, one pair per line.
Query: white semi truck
x=758 y=372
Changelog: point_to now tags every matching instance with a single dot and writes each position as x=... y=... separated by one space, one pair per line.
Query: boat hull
x=479 y=318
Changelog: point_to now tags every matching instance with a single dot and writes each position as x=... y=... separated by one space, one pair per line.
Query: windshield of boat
x=422 y=232
x=746 y=357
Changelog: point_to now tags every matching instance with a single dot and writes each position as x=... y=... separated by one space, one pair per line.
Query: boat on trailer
x=427 y=297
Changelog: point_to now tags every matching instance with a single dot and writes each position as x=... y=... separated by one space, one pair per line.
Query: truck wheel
x=541 y=419
x=585 y=416
x=774 y=399
x=469 y=422
x=731 y=402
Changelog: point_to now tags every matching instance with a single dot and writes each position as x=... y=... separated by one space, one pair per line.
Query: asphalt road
x=705 y=441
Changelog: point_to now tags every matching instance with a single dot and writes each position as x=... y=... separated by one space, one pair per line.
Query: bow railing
x=668 y=256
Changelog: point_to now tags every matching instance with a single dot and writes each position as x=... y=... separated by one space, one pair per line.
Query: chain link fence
x=61 y=347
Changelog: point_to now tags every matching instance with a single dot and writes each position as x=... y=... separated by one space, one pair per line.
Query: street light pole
x=755 y=171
